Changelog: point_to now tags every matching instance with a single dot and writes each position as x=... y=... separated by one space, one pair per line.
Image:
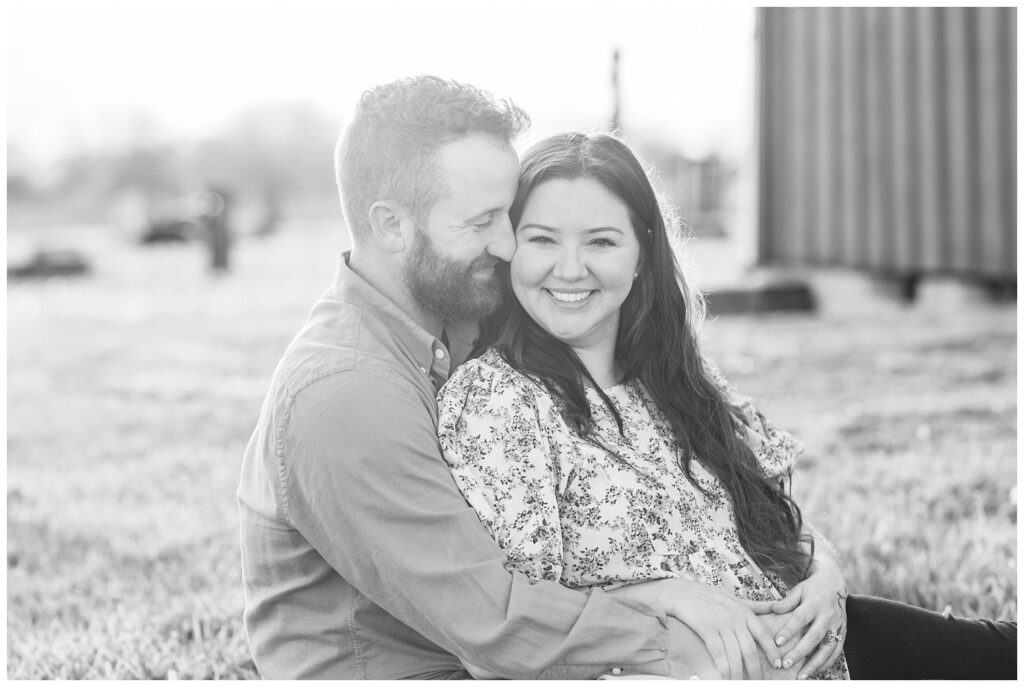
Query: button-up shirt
x=361 y=559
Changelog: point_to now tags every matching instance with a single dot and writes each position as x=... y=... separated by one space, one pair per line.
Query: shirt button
x=616 y=671
x=439 y=354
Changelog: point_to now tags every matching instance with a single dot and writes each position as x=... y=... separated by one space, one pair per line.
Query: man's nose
x=503 y=241
x=570 y=265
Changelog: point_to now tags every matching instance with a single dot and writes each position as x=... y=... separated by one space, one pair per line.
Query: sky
x=81 y=74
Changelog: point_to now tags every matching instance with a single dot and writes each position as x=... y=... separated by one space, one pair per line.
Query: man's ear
x=387 y=220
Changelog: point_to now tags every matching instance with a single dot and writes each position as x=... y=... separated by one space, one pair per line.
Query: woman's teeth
x=575 y=297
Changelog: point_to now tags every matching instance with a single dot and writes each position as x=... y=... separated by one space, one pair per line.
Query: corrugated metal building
x=887 y=140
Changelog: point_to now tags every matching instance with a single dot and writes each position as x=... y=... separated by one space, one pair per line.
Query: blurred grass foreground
x=132 y=393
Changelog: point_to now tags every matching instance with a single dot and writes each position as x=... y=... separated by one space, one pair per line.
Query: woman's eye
x=603 y=243
x=540 y=239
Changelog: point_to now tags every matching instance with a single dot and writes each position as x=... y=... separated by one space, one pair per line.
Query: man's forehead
x=478 y=153
x=480 y=172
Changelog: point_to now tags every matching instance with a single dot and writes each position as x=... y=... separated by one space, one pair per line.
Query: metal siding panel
x=850 y=99
x=929 y=162
x=763 y=141
x=888 y=138
x=1008 y=60
x=775 y=106
x=827 y=221
x=973 y=239
x=791 y=195
x=959 y=172
x=905 y=215
x=991 y=219
x=878 y=127
x=776 y=83
x=862 y=150
x=802 y=186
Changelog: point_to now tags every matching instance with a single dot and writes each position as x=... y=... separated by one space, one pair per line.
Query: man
x=360 y=557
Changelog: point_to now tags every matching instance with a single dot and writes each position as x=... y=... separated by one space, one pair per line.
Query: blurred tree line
x=280 y=153
x=275 y=160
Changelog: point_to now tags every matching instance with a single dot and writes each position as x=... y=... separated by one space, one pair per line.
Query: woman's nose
x=570 y=265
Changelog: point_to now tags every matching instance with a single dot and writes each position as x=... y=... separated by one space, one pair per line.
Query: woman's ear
x=387 y=220
x=639 y=265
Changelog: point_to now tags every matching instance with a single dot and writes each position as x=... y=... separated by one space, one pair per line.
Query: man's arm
x=365 y=484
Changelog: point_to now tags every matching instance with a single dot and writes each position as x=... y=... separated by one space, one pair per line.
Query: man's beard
x=447 y=288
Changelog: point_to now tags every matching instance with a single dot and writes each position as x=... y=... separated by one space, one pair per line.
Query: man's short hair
x=389 y=151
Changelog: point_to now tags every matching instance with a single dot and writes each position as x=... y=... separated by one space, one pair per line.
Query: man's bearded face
x=448 y=288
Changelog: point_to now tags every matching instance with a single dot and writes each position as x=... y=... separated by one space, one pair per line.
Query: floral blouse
x=565 y=509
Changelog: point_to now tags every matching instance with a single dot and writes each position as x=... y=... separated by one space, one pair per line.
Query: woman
x=600 y=448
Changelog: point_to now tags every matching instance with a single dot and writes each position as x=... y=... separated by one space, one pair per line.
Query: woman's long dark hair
x=656 y=346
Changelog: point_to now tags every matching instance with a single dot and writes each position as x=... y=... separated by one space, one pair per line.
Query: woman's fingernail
x=778 y=663
x=780 y=640
x=801 y=676
x=787 y=663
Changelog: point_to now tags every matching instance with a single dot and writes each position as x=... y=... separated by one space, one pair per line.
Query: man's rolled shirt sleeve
x=363 y=480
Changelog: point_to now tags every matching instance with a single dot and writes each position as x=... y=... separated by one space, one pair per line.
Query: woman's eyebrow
x=593 y=230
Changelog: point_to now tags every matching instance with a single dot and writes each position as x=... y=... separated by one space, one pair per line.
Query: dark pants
x=894 y=641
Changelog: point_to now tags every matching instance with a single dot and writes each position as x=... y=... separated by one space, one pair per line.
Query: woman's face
x=576 y=254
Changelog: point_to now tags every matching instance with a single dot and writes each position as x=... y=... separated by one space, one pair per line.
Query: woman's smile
x=575 y=297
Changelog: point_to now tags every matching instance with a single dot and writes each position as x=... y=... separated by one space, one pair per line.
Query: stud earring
x=636 y=275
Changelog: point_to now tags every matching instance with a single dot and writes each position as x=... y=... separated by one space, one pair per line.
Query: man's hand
x=731 y=632
x=689 y=658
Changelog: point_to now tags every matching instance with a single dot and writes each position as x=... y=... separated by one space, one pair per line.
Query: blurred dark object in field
x=169 y=231
x=271 y=217
x=781 y=295
x=216 y=228
x=159 y=219
x=938 y=289
x=48 y=262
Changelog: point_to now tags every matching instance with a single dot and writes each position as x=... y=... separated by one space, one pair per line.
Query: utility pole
x=616 y=123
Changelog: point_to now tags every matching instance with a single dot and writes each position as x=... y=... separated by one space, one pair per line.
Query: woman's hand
x=730 y=630
x=728 y=627
x=819 y=605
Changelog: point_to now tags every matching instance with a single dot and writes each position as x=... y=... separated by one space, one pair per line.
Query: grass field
x=131 y=395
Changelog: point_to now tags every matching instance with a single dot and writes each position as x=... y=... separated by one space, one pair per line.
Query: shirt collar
x=352 y=288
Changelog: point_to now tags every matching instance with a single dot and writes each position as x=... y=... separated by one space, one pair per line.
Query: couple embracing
x=495 y=449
